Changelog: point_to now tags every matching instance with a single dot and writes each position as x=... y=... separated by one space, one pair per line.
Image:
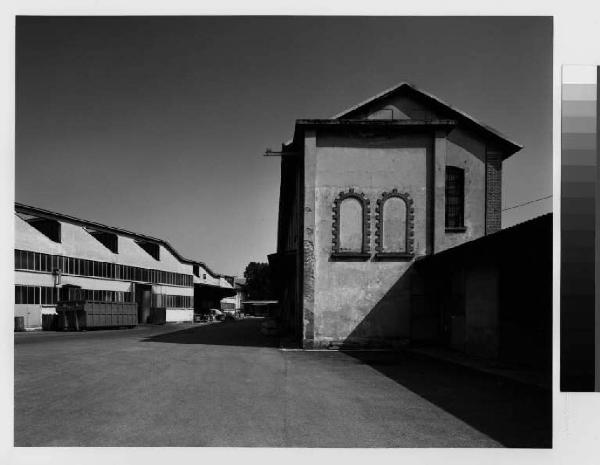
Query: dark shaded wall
x=286 y=263
x=492 y=297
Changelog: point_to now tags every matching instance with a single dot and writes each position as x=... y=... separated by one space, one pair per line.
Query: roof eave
x=511 y=146
x=37 y=211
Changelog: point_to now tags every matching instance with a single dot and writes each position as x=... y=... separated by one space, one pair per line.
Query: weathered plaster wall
x=467 y=152
x=309 y=239
x=370 y=300
x=367 y=300
x=461 y=148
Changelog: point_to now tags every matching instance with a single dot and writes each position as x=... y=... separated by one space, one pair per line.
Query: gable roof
x=510 y=145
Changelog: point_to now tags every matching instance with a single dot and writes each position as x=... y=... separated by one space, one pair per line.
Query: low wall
x=31 y=313
x=180 y=314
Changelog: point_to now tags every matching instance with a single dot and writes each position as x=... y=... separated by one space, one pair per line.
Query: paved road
x=227 y=385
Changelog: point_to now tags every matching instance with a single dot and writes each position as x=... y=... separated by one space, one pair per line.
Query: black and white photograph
x=283 y=231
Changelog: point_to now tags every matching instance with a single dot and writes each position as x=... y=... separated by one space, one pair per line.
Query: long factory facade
x=60 y=257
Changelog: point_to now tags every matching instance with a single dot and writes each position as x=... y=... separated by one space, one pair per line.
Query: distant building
x=260 y=307
x=235 y=302
x=366 y=193
x=60 y=257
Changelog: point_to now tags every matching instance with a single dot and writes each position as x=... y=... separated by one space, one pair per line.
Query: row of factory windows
x=172 y=301
x=44 y=295
x=36 y=261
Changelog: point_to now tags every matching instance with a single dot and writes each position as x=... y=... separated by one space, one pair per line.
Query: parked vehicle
x=232 y=315
x=215 y=314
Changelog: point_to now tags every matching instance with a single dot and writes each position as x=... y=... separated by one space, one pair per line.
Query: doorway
x=143 y=298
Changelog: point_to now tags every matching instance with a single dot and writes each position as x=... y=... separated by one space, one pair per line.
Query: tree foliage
x=259 y=283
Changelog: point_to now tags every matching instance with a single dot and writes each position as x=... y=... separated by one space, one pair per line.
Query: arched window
x=455 y=198
x=394 y=235
x=351 y=226
x=394 y=225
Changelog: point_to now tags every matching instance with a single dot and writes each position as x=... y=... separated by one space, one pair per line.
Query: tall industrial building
x=60 y=257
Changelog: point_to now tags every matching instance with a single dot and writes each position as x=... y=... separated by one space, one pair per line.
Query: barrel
x=19 y=323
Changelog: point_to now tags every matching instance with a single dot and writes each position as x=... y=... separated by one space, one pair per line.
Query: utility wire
x=526 y=203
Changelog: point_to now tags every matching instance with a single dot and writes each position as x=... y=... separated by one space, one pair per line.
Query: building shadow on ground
x=244 y=333
x=512 y=413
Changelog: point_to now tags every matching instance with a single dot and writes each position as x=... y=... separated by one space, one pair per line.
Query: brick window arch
x=394 y=237
x=351 y=228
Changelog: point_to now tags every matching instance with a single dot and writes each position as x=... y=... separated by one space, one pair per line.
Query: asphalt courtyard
x=225 y=384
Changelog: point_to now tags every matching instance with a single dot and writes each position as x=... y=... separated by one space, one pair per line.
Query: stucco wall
x=463 y=149
x=468 y=153
x=367 y=300
x=371 y=301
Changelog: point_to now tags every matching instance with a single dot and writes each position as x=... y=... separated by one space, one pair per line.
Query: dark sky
x=158 y=124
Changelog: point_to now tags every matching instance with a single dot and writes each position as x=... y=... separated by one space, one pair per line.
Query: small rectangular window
x=29 y=261
x=31 y=295
x=455 y=197
x=47 y=295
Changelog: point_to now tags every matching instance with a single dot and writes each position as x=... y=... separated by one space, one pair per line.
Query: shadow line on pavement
x=244 y=333
x=512 y=413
